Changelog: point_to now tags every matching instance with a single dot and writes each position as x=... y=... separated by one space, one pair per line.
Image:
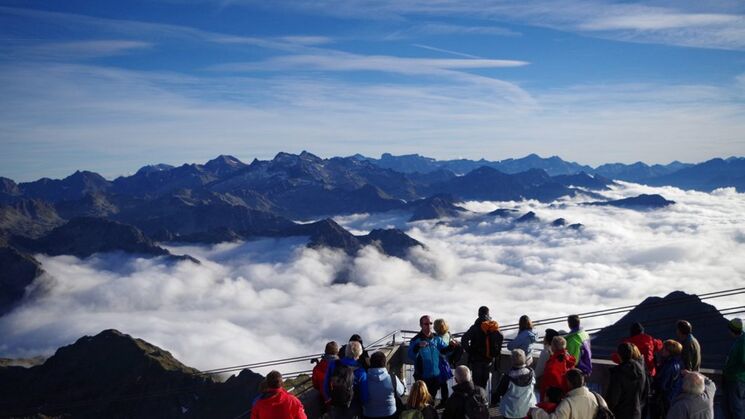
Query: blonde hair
x=441 y=327
x=635 y=353
x=353 y=350
x=419 y=397
x=673 y=347
x=558 y=343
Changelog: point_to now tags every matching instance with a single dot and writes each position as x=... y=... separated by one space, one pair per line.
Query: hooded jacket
x=578 y=345
x=277 y=404
x=516 y=389
x=426 y=359
x=319 y=371
x=626 y=389
x=692 y=406
x=555 y=370
x=381 y=401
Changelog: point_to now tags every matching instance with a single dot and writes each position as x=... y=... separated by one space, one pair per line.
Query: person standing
x=424 y=350
x=696 y=400
x=382 y=391
x=525 y=339
x=554 y=373
x=626 y=396
x=482 y=342
x=275 y=402
x=667 y=381
x=516 y=388
x=734 y=373
x=580 y=403
x=691 y=355
x=468 y=400
x=578 y=345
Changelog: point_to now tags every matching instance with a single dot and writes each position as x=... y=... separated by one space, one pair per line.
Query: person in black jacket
x=482 y=347
x=467 y=398
x=364 y=358
x=627 y=384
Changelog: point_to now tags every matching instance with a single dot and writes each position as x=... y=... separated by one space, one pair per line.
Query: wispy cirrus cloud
x=701 y=25
x=70 y=51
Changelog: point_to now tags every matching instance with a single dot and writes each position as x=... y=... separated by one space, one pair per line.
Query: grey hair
x=354 y=350
x=462 y=374
x=518 y=357
x=558 y=343
x=693 y=383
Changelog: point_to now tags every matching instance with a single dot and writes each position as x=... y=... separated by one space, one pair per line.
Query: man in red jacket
x=646 y=344
x=276 y=403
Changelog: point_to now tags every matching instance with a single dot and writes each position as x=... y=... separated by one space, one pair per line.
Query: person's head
x=636 y=329
x=683 y=328
x=550 y=335
x=484 y=312
x=575 y=378
x=558 y=343
x=693 y=383
x=332 y=348
x=357 y=338
x=462 y=374
x=354 y=349
x=625 y=351
x=735 y=326
x=525 y=323
x=518 y=358
x=441 y=327
x=419 y=396
x=273 y=380
x=554 y=394
x=377 y=360
x=425 y=322
x=671 y=347
x=573 y=322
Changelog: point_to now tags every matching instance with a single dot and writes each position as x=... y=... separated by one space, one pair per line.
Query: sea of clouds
x=272 y=298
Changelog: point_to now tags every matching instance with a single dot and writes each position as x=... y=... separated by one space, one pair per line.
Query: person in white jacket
x=579 y=403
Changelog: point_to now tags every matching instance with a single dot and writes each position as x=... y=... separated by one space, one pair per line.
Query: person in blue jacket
x=424 y=350
x=359 y=386
x=524 y=340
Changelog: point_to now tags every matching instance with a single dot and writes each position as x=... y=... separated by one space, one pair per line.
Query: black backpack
x=603 y=412
x=476 y=407
x=341 y=385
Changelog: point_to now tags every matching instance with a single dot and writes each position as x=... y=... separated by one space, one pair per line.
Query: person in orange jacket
x=275 y=402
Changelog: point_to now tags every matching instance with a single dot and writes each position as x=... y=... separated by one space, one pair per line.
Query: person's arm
x=465 y=341
x=504 y=385
x=709 y=388
x=413 y=348
x=299 y=410
x=325 y=388
x=400 y=387
x=514 y=343
x=563 y=411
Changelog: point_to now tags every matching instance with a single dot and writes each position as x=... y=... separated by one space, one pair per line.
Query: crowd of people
x=652 y=379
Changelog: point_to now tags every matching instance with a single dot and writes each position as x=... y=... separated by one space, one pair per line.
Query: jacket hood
x=377 y=374
x=631 y=370
x=521 y=376
x=563 y=356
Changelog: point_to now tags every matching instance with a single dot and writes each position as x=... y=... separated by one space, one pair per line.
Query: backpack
x=476 y=407
x=319 y=373
x=341 y=385
x=411 y=414
x=493 y=344
x=603 y=412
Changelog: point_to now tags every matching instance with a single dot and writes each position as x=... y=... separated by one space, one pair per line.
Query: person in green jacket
x=578 y=345
x=734 y=373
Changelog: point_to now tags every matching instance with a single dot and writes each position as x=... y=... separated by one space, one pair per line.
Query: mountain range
x=226 y=199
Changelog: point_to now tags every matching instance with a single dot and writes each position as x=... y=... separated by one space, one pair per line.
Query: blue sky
x=111 y=86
